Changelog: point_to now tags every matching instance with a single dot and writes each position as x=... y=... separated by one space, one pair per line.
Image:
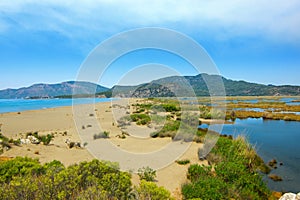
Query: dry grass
x=267 y=115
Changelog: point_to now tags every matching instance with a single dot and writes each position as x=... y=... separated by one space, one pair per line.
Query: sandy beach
x=87 y=121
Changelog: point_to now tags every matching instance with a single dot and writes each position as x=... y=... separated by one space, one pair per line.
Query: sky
x=49 y=41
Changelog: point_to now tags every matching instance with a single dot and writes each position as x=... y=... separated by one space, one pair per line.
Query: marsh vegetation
x=233 y=173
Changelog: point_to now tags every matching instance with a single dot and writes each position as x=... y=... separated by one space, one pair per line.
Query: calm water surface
x=274 y=139
x=16 y=105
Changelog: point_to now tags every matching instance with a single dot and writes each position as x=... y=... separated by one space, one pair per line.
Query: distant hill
x=196 y=85
x=181 y=86
x=52 y=90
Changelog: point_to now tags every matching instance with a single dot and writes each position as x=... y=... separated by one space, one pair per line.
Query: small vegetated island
x=232 y=170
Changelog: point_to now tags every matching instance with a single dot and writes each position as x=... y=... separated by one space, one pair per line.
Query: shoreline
x=56 y=106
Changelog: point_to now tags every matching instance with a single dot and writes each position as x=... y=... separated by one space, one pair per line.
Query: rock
x=4 y=146
x=276 y=194
x=71 y=144
x=25 y=141
x=275 y=177
x=290 y=196
x=33 y=139
x=272 y=163
x=202 y=158
x=202 y=154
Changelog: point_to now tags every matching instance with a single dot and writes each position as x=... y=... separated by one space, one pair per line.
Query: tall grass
x=233 y=173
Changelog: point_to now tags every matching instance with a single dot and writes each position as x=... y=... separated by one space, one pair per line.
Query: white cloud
x=279 y=19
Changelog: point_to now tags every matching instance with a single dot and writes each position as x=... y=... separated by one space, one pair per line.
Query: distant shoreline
x=8 y=106
x=21 y=105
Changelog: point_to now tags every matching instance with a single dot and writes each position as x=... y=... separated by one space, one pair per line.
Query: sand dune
x=81 y=124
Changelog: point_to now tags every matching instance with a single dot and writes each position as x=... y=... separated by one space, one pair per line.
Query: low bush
x=170 y=107
x=5 y=142
x=26 y=178
x=183 y=162
x=46 y=139
x=104 y=134
x=149 y=190
x=206 y=188
x=140 y=119
x=147 y=174
x=169 y=129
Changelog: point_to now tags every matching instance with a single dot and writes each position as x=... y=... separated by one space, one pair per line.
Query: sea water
x=18 y=105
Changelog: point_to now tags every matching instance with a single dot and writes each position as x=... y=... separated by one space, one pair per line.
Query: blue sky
x=47 y=41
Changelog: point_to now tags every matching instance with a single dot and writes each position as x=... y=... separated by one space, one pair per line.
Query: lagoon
x=273 y=139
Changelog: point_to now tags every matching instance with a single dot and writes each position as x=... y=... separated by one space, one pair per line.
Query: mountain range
x=52 y=90
x=199 y=85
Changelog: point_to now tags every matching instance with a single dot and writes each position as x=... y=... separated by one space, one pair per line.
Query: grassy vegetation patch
x=140 y=119
x=233 y=173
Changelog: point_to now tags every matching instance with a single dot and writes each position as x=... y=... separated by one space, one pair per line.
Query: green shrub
x=183 y=162
x=86 y=180
x=19 y=166
x=142 y=122
x=46 y=139
x=169 y=129
x=149 y=190
x=140 y=119
x=235 y=173
x=170 y=107
x=26 y=178
x=147 y=174
x=196 y=172
x=5 y=142
x=206 y=188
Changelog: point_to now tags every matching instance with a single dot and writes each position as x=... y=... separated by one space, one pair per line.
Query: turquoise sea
x=18 y=105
